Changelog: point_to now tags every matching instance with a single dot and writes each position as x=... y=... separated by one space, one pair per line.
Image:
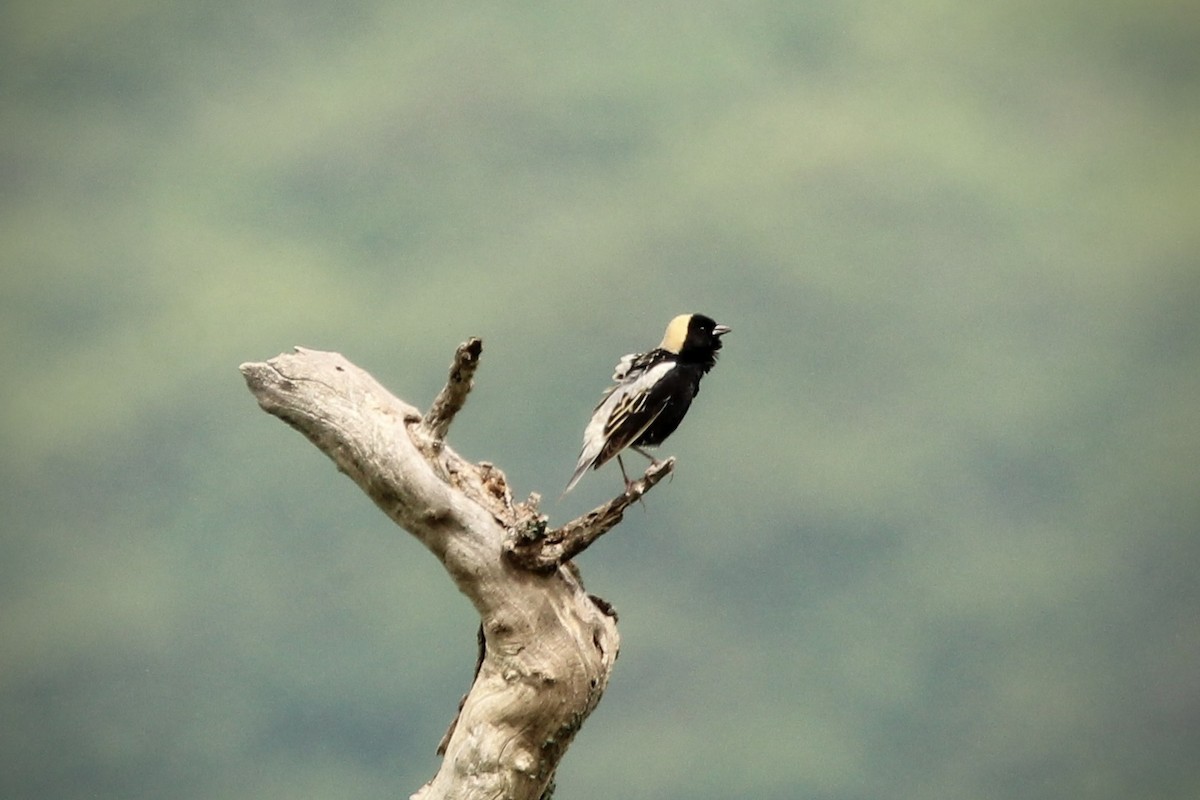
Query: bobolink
x=652 y=393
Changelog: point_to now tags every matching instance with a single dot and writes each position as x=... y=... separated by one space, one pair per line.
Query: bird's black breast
x=675 y=391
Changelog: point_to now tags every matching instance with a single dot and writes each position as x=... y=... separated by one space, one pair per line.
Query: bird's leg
x=629 y=483
x=621 y=464
x=653 y=461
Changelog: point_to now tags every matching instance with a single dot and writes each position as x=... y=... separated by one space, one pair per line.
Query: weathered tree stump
x=547 y=647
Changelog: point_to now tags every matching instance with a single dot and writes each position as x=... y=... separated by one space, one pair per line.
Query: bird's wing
x=624 y=366
x=610 y=431
x=628 y=421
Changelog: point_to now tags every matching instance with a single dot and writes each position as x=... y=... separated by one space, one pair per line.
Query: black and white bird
x=652 y=394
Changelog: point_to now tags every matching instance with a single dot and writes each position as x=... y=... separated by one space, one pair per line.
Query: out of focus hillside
x=935 y=529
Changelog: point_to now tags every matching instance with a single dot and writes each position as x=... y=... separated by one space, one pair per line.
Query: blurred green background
x=934 y=529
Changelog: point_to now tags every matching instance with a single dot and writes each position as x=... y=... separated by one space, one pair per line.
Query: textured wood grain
x=548 y=647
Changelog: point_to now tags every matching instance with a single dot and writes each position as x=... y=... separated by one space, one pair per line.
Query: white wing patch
x=621 y=370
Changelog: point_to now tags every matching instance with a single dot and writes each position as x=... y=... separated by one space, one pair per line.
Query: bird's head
x=694 y=337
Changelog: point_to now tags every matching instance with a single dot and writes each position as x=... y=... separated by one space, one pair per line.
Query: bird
x=651 y=394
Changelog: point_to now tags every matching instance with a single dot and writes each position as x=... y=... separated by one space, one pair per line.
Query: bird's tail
x=580 y=469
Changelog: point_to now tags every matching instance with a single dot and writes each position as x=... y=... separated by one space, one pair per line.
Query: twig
x=453 y=395
x=536 y=551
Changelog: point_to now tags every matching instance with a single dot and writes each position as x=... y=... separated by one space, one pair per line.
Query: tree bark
x=547 y=647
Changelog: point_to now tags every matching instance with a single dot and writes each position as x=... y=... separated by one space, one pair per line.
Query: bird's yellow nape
x=676 y=333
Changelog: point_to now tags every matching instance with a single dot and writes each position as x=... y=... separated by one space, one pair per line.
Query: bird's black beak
x=721 y=330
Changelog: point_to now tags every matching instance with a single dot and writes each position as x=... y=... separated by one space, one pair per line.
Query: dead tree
x=547 y=647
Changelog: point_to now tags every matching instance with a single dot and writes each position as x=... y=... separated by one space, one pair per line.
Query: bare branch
x=453 y=395
x=549 y=647
x=534 y=548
